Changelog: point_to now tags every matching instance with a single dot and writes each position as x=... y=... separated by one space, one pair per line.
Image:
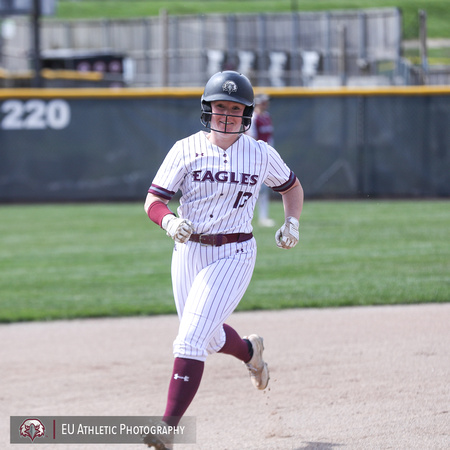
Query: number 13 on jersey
x=241 y=199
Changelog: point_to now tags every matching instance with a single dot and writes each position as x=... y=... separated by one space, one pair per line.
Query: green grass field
x=438 y=11
x=93 y=260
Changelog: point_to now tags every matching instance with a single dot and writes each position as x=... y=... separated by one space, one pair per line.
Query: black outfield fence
x=106 y=145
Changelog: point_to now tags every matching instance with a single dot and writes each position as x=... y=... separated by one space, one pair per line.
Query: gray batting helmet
x=228 y=86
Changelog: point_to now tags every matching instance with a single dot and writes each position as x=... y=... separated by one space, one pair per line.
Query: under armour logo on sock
x=179 y=377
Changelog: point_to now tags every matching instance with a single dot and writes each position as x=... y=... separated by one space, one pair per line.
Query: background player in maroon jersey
x=262 y=129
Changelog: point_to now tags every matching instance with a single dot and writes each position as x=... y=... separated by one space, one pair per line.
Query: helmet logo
x=229 y=86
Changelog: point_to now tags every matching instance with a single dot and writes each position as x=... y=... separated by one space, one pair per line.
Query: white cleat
x=258 y=369
x=153 y=441
x=268 y=223
x=158 y=441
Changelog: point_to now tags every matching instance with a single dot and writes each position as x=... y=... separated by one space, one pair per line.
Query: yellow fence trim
x=197 y=92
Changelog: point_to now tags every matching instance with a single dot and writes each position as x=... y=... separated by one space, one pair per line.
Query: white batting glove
x=287 y=236
x=179 y=230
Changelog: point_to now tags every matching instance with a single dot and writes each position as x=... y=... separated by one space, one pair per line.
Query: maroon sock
x=186 y=377
x=235 y=345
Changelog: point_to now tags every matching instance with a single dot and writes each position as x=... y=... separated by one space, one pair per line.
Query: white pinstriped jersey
x=220 y=187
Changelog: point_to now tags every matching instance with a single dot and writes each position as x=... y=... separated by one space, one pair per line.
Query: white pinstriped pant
x=208 y=284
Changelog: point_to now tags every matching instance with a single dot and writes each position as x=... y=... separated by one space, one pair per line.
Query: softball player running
x=219 y=174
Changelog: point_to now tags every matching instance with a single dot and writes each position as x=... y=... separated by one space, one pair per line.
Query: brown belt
x=216 y=240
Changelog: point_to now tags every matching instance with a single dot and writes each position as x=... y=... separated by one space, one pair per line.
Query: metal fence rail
x=273 y=49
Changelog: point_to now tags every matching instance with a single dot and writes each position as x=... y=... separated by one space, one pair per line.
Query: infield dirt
x=350 y=378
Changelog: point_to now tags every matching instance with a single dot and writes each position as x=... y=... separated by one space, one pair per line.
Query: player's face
x=264 y=106
x=226 y=116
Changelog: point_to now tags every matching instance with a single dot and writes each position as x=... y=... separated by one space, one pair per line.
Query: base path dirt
x=346 y=378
